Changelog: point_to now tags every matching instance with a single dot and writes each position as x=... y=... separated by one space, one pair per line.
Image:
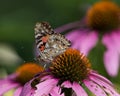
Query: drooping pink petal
x=45 y=87
x=83 y=40
x=27 y=90
x=107 y=41
x=111 y=55
x=67 y=84
x=56 y=92
x=94 y=88
x=6 y=85
x=70 y=26
x=116 y=38
x=104 y=85
x=78 y=89
x=100 y=77
x=12 y=76
x=17 y=91
x=46 y=77
x=88 y=42
x=73 y=35
x=112 y=39
x=111 y=60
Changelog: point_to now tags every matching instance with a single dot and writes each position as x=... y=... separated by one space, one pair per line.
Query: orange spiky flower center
x=71 y=65
x=104 y=15
x=27 y=71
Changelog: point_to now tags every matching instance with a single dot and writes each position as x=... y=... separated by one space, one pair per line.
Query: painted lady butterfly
x=49 y=43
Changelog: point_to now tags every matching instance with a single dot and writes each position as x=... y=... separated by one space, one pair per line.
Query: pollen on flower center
x=71 y=65
x=27 y=72
x=104 y=15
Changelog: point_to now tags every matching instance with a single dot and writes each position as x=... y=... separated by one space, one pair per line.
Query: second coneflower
x=69 y=74
x=17 y=80
x=102 y=20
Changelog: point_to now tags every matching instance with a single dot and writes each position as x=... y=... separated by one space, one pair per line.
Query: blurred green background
x=17 y=21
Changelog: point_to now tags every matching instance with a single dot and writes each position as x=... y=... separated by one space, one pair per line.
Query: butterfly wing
x=49 y=43
x=42 y=30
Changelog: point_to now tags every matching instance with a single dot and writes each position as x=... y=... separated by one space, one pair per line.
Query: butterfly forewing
x=42 y=30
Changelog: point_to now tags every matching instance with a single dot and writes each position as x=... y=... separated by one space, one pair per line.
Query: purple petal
x=95 y=74
x=12 y=76
x=116 y=38
x=45 y=87
x=83 y=40
x=56 y=92
x=67 y=84
x=104 y=85
x=27 y=90
x=17 y=91
x=94 y=88
x=78 y=89
x=6 y=85
x=111 y=60
x=73 y=36
x=88 y=42
x=111 y=56
x=76 y=37
x=45 y=78
x=107 y=41
x=112 y=40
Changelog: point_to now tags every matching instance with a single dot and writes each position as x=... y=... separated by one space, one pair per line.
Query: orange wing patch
x=45 y=39
x=42 y=47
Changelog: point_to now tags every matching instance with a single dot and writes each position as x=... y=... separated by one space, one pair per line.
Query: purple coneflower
x=70 y=74
x=17 y=80
x=103 y=18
